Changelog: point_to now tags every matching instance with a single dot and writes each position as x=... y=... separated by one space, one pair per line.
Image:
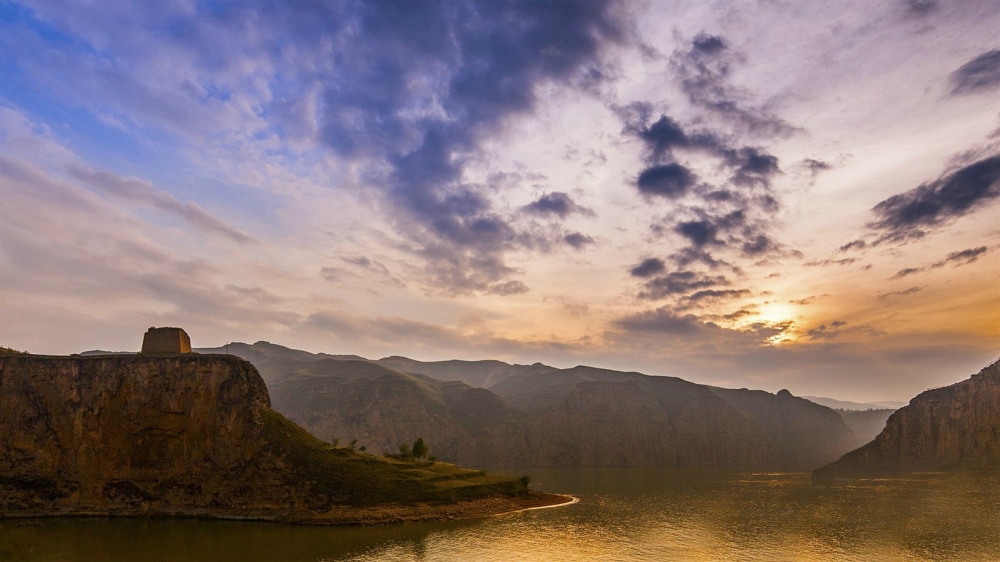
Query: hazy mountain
x=956 y=426
x=866 y=424
x=846 y=405
x=539 y=415
x=482 y=374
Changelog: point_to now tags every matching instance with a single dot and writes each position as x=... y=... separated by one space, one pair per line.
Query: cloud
x=662 y=320
x=402 y=94
x=826 y=262
x=910 y=291
x=679 y=283
x=979 y=75
x=837 y=330
x=141 y=191
x=906 y=272
x=648 y=268
x=962 y=257
x=578 y=241
x=909 y=215
x=704 y=72
x=920 y=8
x=557 y=204
x=666 y=180
x=717 y=294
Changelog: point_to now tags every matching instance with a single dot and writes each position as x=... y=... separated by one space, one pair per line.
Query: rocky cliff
x=956 y=426
x=190 y=435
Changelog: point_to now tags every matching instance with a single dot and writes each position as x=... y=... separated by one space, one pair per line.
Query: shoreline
x=347 y=516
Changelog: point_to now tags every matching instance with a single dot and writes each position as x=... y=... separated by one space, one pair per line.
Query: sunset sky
x=768 y=194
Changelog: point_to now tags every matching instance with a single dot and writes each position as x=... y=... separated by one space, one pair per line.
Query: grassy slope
x=342 y=476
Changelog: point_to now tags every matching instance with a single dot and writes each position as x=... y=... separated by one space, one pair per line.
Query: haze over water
x=623 y=514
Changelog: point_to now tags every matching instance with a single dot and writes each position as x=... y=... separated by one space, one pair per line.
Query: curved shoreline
x=339 y=515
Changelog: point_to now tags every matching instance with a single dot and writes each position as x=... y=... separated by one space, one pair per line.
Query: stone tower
x=165 y=341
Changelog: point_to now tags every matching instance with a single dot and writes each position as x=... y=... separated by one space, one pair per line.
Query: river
x=623 y=514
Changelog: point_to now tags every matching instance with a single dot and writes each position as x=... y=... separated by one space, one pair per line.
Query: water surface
x=623 y=514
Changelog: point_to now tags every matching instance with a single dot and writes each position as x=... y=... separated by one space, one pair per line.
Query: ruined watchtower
x=165 y=341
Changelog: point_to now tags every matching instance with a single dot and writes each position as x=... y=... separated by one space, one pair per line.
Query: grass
x=9 y=351
x=344 y=477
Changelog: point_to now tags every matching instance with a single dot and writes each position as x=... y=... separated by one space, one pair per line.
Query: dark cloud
x=648 y=268
x=815 y=166
x=668 y=180
x=578 y=241
x=963 y=257
x=836 y=330
x=409 y=90
x=556 y=204
x=717 y=294
x=679 y=283
x=662 y=320
x=752 y=166
x=910 y=291
x=513 y=287
x=853 y=245
x=921 y=7
x=906 y=272
x=826 y=262
x=981 y=74
x=709 y=44
x=698 y=233
x=704 y=72
x=736 y=217
x=906 y=216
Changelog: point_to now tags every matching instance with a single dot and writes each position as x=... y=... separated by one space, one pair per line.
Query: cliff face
x=98 y=432
x=956 y=426
x=182 y=435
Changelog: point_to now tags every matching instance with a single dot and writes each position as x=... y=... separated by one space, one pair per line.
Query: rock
x=953 y=427
x=186 y=435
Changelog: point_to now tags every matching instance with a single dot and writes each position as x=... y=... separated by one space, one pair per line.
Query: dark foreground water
x=623 y=514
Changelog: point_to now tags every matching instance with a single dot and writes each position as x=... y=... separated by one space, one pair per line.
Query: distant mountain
x=845 y=405
x=866 y=424
x=482 y=374
x=543 y=416
x=955 y=426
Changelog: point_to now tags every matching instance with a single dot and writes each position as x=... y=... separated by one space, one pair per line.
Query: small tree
x=420 y=449
x=525 y=480
x=335 y=442
x=404 y=449
x=354 y=443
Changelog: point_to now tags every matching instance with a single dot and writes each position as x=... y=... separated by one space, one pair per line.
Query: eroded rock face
x=956 y=426
x=100 y=433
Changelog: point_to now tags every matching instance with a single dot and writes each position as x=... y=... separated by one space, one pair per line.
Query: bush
x=525 y=479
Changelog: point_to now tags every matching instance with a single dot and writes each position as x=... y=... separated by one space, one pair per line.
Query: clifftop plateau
x=194 y=435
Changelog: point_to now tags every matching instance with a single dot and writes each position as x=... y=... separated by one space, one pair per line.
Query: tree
x=404 y=449
x=420 y=449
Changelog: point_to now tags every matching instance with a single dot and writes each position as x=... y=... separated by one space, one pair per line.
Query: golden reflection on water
x=624 y=514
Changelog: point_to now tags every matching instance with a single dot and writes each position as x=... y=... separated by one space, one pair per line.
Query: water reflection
x=624 y=514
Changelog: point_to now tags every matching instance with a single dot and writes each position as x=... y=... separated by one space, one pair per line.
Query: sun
x=776 y=313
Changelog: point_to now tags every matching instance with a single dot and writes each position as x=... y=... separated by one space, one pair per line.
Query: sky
x=767 y=194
